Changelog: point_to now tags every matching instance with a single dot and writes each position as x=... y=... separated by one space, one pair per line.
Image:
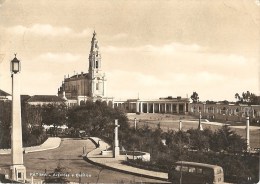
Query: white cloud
x=157 y=49
x=59 y=57
x=47 y=30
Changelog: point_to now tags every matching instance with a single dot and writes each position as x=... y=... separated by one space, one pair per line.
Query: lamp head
x=15 y=65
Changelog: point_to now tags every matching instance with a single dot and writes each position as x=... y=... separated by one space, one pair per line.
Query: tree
x=97 y=119
x=194 y=97
x=237 y=96
x=53 y=114
x=225 y=139
x=248 y=98
x=5 y=124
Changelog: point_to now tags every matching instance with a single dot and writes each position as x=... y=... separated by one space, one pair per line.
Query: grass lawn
x=171 y=122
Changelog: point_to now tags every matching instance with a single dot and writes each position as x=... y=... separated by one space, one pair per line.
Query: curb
x=37 y=148
x=119 y=170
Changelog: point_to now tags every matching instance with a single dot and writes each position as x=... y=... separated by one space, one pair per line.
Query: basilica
x=79 y=88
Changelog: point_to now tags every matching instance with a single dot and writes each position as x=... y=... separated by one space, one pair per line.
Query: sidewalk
x=50 y=143
x=108 y=161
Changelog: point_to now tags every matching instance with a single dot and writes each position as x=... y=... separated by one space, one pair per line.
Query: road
x=68 y=155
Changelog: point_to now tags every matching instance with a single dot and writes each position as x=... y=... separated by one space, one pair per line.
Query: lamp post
x=18 y=171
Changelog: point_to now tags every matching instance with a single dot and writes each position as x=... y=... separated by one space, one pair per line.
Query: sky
x=149 y=48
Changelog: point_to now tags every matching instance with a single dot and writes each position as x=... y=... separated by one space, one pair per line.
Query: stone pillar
x=177 y=108
x=171 y=108
x=113 y=105
x=147 y=109
x=137 y=107
x=141 y=107
x=200 y=126
x=153 y=107
x=135 y=123
x=247 y=133
x=159 y=108
x=18 y=170
x=165 y=109
x=116 y=146
x=180 y=125
x=184 y=108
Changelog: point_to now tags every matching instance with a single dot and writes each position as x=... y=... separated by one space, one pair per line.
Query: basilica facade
x=79 y=88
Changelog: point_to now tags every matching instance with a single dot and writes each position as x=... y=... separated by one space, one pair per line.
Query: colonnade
x=236 y=110
x=153 y=107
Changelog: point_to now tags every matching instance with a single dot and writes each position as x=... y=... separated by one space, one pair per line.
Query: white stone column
x=247 y=133
x=165 y=109
x=18 y=170
x=184 y=107
x=116 y=146
x=200 y=125
x=180 y=125
x=137 y=107
x=141 y=107
x=177 y=108
x=171 y=108
x=153 y=107
x=113 y=105
x=147 y=109
x=159 y=108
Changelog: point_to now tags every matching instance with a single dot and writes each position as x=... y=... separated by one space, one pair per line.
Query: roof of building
x=77 y=76
x=45 y=98
x=3 y=93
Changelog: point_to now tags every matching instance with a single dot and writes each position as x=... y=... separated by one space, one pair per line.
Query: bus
x=184 y=172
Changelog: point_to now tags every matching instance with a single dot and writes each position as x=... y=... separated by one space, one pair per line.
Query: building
x=225 y=111
x=46 y=100
x=168 y=105
x=5 y=96
x=79 y=88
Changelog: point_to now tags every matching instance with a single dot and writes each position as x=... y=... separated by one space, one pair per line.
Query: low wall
x=144 y=156
x=106 y=152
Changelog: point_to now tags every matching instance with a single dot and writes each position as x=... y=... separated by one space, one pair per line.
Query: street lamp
x=15 y=65
x=18 y=171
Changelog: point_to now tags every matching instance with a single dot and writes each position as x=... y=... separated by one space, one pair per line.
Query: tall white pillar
x=184 y=107
x=247 y=133
x=18 y=171
x=177 y=108
x=141 y=107
x=200 y=125
x=147 y=109
x=171 y=108
x=180 y=125
x=153 y=107
x=159 y=108
x=116 y=146
x=137 y=107
x=165 y=109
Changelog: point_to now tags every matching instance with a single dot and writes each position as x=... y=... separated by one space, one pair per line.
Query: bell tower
x=97 y=86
